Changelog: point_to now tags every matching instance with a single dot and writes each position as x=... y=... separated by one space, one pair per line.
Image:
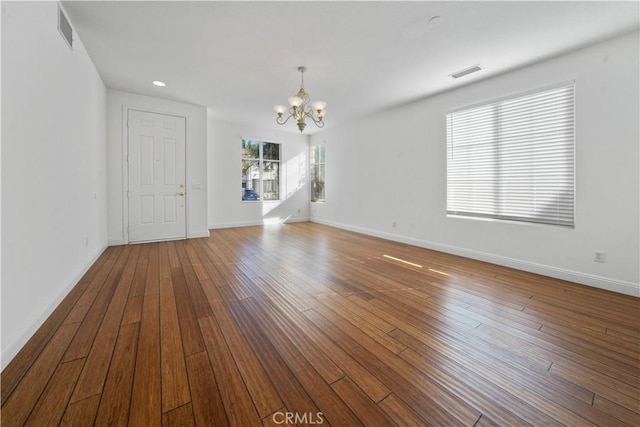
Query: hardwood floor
x=312 y=325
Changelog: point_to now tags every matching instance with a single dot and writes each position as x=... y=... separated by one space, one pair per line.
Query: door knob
x=180 y=193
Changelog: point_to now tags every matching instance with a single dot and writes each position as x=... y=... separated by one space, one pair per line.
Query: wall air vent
x=64 y=26
x=465 y=72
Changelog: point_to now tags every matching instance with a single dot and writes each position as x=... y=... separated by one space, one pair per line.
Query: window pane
x=271 y=181
x=260 y=170
x=250 y=149
x=314 y=182
x=250 y=180
x=317 y=173
x=271 y=151
x=317 y=183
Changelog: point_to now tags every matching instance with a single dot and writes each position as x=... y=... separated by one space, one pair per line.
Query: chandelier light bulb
x=294 y=101
x=280 y=109
x=319 y=105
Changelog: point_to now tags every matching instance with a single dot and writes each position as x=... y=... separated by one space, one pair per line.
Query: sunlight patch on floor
x=401 y=260
x=439 y=272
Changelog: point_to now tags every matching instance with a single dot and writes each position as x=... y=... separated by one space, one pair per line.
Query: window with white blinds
x=513 y=159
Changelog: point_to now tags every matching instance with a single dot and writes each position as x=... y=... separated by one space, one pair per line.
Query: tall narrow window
x=260 y=170
x=513 y=159
x=317 y=173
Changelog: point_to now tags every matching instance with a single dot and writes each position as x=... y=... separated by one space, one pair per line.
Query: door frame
x=125 y=168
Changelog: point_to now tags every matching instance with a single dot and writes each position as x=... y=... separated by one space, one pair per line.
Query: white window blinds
x=514 y=159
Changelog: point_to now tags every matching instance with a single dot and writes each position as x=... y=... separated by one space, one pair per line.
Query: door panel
x=157 y=172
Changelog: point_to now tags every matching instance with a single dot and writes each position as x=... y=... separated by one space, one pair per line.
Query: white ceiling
x=241 y=58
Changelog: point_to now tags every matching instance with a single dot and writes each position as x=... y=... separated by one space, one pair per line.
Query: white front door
x=157 y=193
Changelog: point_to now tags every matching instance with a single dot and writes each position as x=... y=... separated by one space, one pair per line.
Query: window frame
x=261 y=161
x=492 y=119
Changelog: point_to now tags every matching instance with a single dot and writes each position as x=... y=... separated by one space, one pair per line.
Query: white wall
x=392 y=167
x=226 y=208
x=53 y=168
x=118 y=103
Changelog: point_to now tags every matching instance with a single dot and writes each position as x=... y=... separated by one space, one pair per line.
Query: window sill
x=511 y=222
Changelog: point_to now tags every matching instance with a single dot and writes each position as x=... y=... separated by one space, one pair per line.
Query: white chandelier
x=299 y=108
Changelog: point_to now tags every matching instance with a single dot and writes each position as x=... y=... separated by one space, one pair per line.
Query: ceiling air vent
x=466 y=71
x=64 y=26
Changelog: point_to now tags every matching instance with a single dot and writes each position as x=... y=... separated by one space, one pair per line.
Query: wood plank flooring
x=310 y=325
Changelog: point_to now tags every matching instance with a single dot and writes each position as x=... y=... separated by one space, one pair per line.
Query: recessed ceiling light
x=159 y=83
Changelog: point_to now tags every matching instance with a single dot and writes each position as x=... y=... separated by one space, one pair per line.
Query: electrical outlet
x=598 y=256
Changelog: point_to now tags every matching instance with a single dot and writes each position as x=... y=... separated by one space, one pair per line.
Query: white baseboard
x=9 y=351
x=620 y=286
x=116 y=241
x=198 y=234
x=296 y=219
x=266 y=221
